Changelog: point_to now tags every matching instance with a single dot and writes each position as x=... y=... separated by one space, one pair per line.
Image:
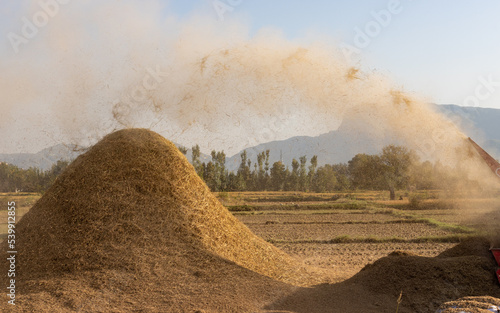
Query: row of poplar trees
x=395 y=168
x=388 y=171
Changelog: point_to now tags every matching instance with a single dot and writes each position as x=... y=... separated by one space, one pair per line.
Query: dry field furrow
x=315 y=218
x=345 y=260
x=298 y=232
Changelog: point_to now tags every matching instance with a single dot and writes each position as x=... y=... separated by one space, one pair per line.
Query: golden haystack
x=133 y=205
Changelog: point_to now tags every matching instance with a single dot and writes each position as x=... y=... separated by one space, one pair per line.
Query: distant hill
x=481 y=124
x=337 y=146
x=49 y=156
x=43 y=159
x=353 y=137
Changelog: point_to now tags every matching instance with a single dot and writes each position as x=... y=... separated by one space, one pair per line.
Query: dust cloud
x=99 y=66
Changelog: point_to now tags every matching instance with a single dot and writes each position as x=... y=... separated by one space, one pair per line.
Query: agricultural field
x=343 y=232
x=24 y=201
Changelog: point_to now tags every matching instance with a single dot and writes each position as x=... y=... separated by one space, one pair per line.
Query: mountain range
x=338 y=146
x=43 y=159
x=356 y=136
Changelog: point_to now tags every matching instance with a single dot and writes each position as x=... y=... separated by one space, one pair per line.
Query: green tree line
x=13 y=178
x=395 y=168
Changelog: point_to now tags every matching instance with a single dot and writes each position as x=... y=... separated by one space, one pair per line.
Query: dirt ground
x=305 y=232
x=345 y=260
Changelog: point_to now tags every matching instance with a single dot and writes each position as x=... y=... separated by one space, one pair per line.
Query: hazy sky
x=59 y=85
x=439 y=49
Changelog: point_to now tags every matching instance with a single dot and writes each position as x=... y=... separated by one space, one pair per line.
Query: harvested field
x=453 y=217
x=24 y=201
x=457 y=216
x=345 y=260
x=325 y=232
x=337 y=218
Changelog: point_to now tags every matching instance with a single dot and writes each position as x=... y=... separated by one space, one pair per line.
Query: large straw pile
x=132 y=217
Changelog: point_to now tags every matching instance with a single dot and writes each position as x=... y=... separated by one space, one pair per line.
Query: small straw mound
x=423 y=283
x=428 y=282
x=471 y=305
